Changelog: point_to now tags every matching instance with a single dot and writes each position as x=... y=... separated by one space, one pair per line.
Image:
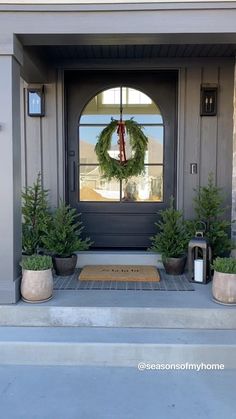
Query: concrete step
x=212 y=316
x=118 y=257
x=115 y=347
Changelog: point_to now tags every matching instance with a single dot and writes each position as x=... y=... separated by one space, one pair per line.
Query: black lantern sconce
x=208 y=100
x=199 y=259
x=36 y=101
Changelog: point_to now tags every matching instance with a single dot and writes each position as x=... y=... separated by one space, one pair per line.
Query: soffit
x=77 y=52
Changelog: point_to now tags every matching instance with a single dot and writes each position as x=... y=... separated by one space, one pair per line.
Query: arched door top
x=134 y=103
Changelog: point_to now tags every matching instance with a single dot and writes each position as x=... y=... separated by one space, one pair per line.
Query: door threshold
x=118 y=257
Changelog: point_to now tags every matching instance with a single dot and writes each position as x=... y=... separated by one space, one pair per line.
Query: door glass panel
x=103 y=118
x=102 y=108
x=141 y=118
x=87 y=141
x=144 y=188
x=111 y=96
x=106 y=105
x=155 y=136
x=93 y=187
x=96 y=116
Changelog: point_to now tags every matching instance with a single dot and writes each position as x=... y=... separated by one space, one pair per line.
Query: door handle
x=72 y=177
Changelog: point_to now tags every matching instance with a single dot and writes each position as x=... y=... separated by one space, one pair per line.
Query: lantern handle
x=199 y=232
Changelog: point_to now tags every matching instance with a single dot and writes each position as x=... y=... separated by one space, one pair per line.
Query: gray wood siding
x=206 y=141
x=234 y=167
x=40 y=143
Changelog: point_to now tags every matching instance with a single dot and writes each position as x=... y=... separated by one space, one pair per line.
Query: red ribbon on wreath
x=121 y=141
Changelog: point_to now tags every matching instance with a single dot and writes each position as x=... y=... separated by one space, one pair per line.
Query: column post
x=10 y=170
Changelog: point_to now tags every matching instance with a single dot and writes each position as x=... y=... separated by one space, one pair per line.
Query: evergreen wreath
x=113 y=168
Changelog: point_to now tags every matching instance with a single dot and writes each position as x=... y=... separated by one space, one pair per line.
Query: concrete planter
x=36 y=286
x=65 y=266
x=224 y=288
x=174 y=266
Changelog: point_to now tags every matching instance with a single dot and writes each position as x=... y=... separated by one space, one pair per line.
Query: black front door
x=120 y=214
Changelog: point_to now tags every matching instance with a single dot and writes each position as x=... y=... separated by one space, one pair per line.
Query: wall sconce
x=208 y=100
x=36 y=101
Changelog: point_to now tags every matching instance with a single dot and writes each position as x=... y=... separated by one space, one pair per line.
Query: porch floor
x=201 y=297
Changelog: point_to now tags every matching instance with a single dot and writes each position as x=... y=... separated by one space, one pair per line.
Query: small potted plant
x=37 y=280
x=224 y=280
x=63 y=238
x=171 y=240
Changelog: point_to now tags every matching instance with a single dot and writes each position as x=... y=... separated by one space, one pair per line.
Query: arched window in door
x=96 y=115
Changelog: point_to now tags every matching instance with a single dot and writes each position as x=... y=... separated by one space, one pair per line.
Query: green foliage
x=173 y=235
x=208 y=205
x=37 y=263
x=225 y=265
x=36 y=216
x=112 y=168
x=63 y=237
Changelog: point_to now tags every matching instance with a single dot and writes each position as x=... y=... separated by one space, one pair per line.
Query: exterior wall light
x=36 y=101
x=208 y=100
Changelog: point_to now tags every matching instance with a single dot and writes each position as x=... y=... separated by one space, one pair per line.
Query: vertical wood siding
x=40 y=144
x=206 y=141
x=234 y=166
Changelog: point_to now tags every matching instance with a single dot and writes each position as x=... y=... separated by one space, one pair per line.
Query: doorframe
x=62 y=135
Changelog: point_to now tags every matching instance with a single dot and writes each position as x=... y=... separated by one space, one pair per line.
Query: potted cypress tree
x=36 y=217
x=37 y=280
x=63 y=238
x=209 y=208
x=224 y=280
x=171 y=240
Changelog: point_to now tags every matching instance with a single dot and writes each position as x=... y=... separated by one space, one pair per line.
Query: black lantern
x=208 y=100
x=36 y=101
x=199 y=259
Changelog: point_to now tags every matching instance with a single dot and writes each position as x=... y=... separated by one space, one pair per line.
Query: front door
x=120 y=214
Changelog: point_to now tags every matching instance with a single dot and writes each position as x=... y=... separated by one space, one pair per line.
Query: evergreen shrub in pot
x=171 y=240
x=63 y=238
x=209 y=208
x=224 y=280
x=37 y=280
x=36 y=217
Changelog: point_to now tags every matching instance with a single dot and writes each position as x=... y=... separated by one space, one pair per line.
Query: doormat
x=138 y=273
x=167 y=283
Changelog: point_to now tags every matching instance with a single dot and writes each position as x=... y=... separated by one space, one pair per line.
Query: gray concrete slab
x=117 y=335
x=200 y=298
x=159 y=309
x=114 y=393
x=116 y=347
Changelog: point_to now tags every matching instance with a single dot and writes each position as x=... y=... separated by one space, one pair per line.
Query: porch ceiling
x=75 y=52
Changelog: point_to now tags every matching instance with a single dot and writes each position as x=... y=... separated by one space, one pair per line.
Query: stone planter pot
x=65 y=266
x=174 y=266
x=224 y=288
x=36 y=286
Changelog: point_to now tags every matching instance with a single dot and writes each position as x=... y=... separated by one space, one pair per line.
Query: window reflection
x=145 y=188
x=93 y=187
x=128 y=96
